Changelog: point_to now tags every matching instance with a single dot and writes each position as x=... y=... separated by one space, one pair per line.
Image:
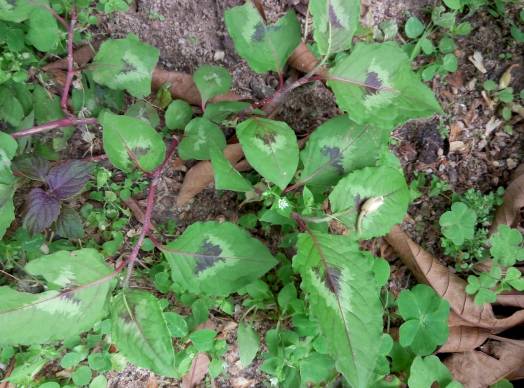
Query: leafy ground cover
x=294 y=270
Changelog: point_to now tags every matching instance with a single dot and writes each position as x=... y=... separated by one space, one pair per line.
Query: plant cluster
x=329 y=297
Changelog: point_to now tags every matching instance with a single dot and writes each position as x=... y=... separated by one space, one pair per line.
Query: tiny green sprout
x=414 y=27
x=506 y=246
x=458 y=224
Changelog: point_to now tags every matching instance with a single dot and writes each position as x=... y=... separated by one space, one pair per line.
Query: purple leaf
x=69 y=224
x=32 y=167
x=68 y=179
x=43 y=209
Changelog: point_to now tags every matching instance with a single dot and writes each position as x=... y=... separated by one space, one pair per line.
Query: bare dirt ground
x=476 y=154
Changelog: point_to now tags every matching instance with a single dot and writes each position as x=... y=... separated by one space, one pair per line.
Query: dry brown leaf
x=512 y=300
x=427 y=269
x=81 y=56
x=152 y=382
x=201 y=175
x=303 y=60
x=464 y=339
x=183 y=87
x=480 y=369
x=509 y=212
x=197 y=372
x=7 y=373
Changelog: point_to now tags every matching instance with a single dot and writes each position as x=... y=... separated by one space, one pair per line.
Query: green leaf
x=344 y=299
x=176 y=324
x=220 y=111
x=141 y=334
x=203 y=339
x=212 y=81
x=427 y=46
x=69 y=224
x=8 y=147
x=337 y=147
x=428 y=370
x=127 y=140
x=43 y=31
x=264 y=47
x=99 y=381
x=82 y=376
x=450 y=63
x=58 y=313
x=414 y=27
x=17 y=11
x=506 y=246
x=375 y=84
x=126 y=64
x=426 y=319
x=200 y=136
x=334 y=23
x=316 y=368
x=453 y=4
x=371 y=200
x=144 y=111
x=458 y=224
x=226 y=176
x=248 y=343
x=216 y=259
x=270 y=148
x=178 y=114
x=11 y=110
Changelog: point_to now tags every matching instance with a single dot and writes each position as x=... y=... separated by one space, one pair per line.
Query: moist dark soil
x=474 y=152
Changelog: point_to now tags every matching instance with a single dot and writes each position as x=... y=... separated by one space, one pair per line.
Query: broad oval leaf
x=43 y=209
x=8 y=147
x=178 y=114
x=217 y=258
x=141 y=333
x=212 y=81
x=128 y=140
x=338 y=147
x=264 y=47
x=248 y=343
x=32 y=167
x=220 y=111
x=11 y=110
x=226 y=176
x=270 y=148
x=126 y=64
x=69 y=224
x=345 y=300
x=68 y=178
x=334 y=23
x=43 y=31
x=200 y=135
x=62 y=311
x=375 y=85
x=370 y=201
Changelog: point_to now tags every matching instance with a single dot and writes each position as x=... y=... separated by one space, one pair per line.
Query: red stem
x=65 y=122
x=70 y=64
x=155 y=178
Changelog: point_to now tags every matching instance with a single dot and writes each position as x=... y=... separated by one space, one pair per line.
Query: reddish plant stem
x=150 y=204
x=70 y=64
x=65 y=122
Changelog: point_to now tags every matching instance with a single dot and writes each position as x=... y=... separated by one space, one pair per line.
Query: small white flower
x=283 y=203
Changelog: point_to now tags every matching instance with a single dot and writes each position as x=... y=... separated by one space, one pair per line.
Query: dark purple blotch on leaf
x=261 y=30
x=332 y=279
x=333 y=18
x=43 y=209
x=267 y=137
x=208 y=255
x=373 y=84
x=335 y=157
x=128 y=67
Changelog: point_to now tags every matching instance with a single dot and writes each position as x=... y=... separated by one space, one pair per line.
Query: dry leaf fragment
x=427 y=269
x=480 y=369
x=201 y=175
x=303 y=60
x=509 y=212
x=183 y=87
x=464 y=339
x=81 y=56
x=511 y=300
x=478 y=61
x=197 y=372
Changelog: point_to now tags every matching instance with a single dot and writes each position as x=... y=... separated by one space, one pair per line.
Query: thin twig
x=147 y=223
x=70 y=64
x=65 y=122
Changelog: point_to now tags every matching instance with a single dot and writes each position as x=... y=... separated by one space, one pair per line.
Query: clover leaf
x=426 y=319
x=483 y=285
x=458 y=224
x=425 y=371
x=505 y=246
x=513 y=279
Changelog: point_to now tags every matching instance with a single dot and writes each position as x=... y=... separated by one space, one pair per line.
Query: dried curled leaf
x=509 y=212
x=480 y=369
x=197 y=372
x=303 y=60
x=427 y=269
x=201 y=174
x=183 y=87
x=515 y=299
x=464 y=339
x=81 y=56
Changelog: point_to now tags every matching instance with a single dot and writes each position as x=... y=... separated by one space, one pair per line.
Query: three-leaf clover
x=482 y=286
x=425 y=371
x=506 y=246
x=426 y=319
x=458 y=224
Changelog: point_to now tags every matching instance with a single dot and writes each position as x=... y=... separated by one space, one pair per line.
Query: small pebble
x=219 y=55
x=511 y=163
x=457 y=146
